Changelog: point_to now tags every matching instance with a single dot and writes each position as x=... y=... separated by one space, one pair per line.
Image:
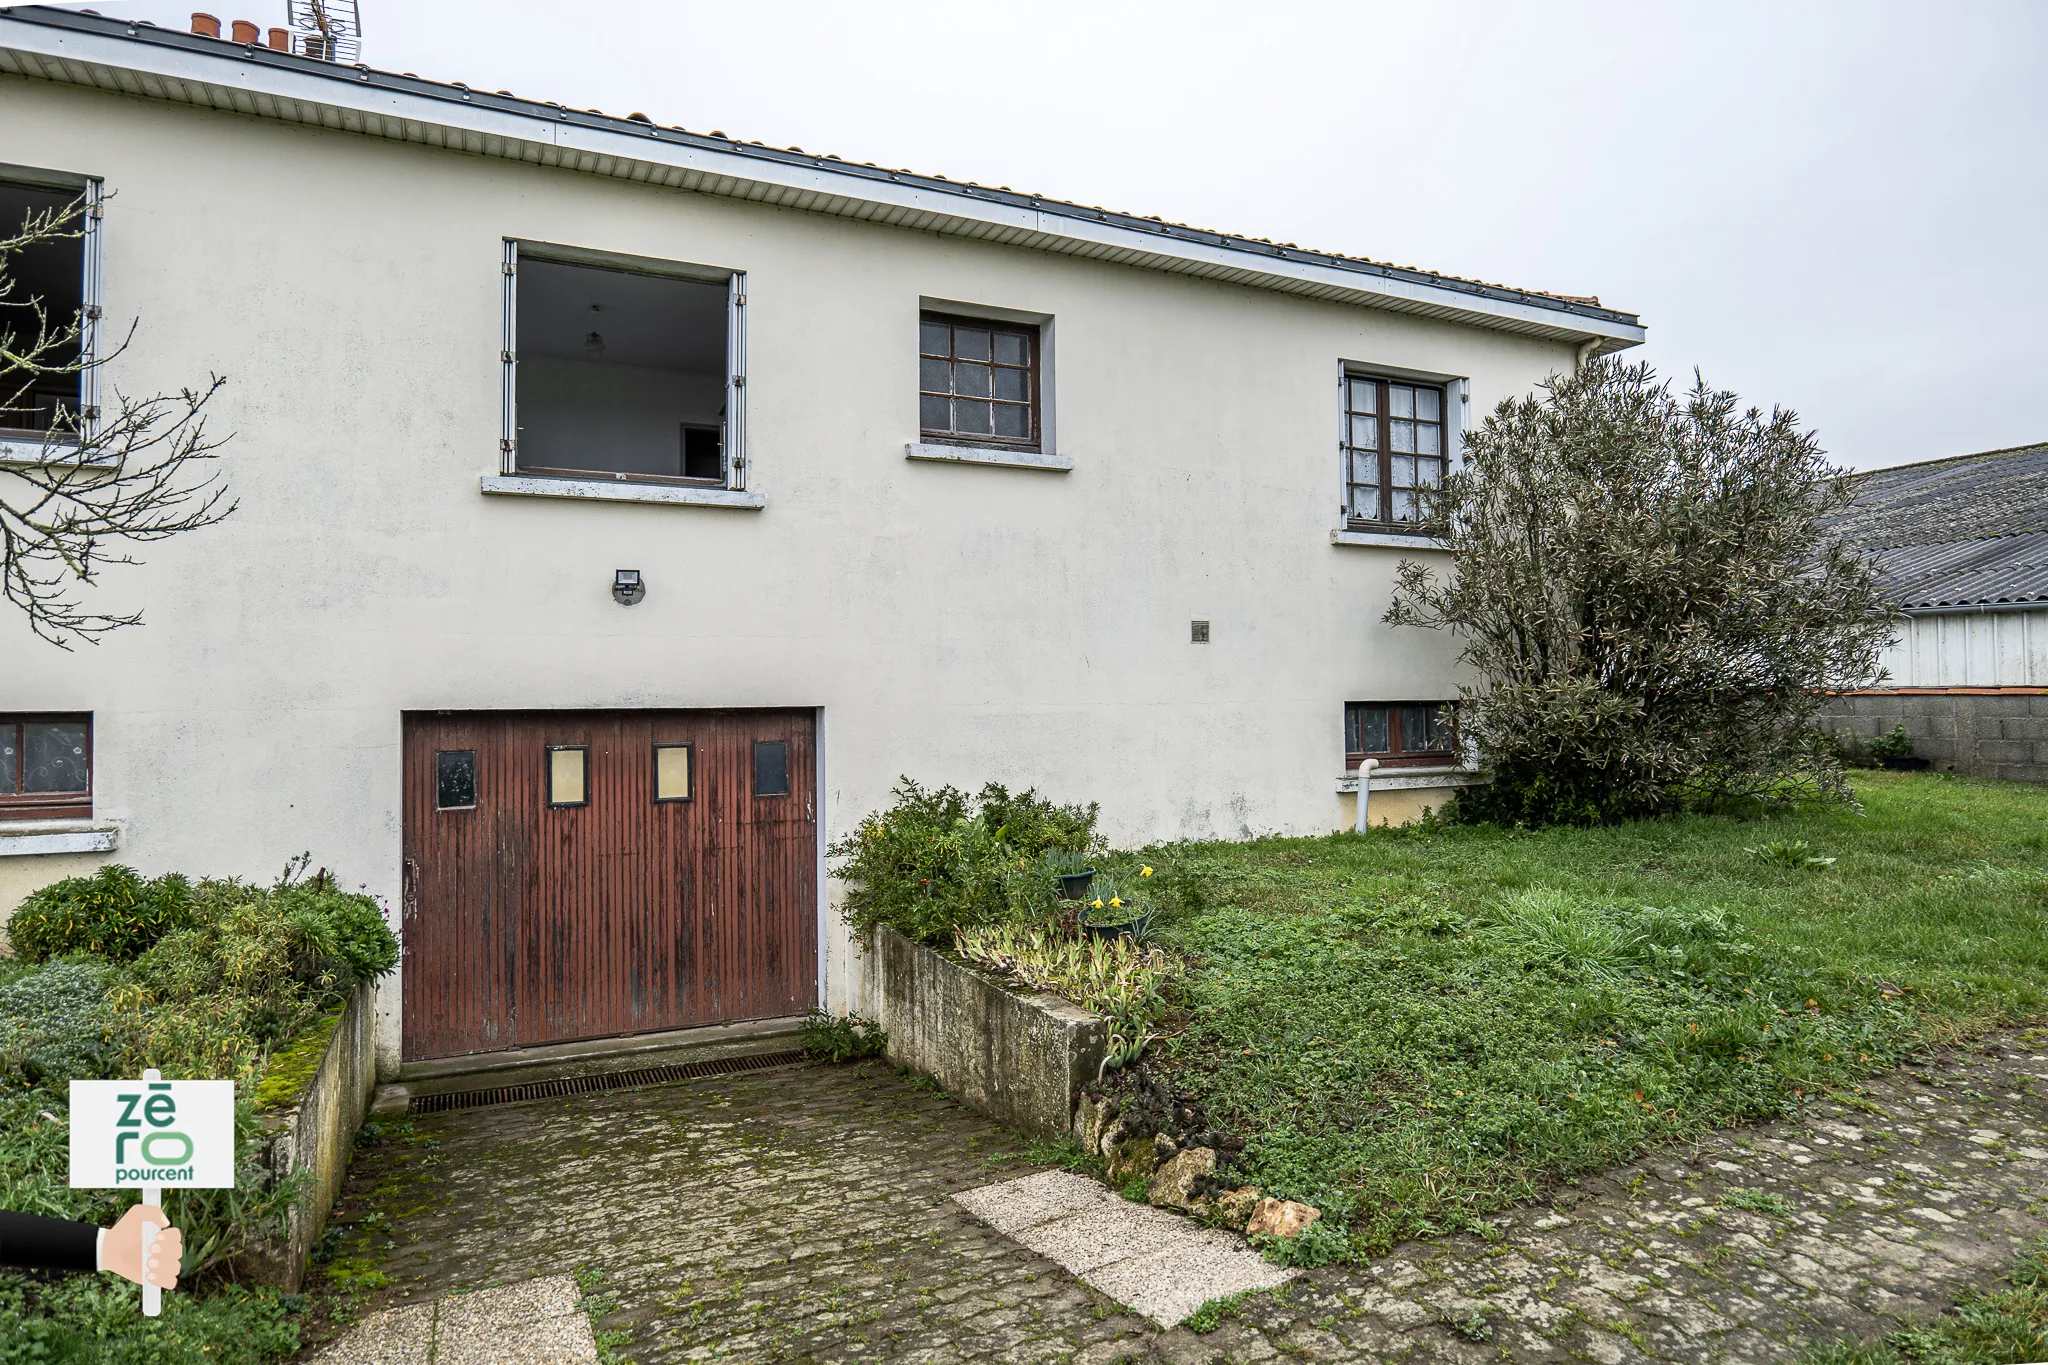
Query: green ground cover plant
x=2006 y=1325
x=241 y=977
x=1412 y=1028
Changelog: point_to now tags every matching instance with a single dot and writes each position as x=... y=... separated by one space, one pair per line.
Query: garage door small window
x=569 y=775
x=771 y=767
x=671 y=772
x=455 y=779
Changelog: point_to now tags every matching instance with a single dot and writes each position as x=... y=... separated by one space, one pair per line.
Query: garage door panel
x=529 y=924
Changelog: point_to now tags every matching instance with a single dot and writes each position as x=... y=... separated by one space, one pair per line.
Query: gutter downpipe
x=1587 y=348
x=1365 y=793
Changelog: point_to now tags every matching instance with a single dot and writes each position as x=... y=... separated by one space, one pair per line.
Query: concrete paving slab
x=1158 y=1263
x=534 y=1322
x=1030 y=1200
x=397 y=1336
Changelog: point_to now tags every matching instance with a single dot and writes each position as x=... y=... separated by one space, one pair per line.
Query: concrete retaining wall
x=317 y=1135
x=1984 y=734
x=1017 y=1057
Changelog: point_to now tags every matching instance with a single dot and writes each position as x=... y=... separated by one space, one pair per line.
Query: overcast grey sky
x=1837 y=207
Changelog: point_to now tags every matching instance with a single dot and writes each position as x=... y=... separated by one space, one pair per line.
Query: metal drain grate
x=611 y=1080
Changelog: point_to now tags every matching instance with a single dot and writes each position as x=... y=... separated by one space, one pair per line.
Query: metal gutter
x=162 y=64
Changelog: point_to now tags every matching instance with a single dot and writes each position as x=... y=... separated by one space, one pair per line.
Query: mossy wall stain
x=293 y=1067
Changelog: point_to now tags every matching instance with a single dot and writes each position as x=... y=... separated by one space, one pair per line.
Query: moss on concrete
x=292 y=1068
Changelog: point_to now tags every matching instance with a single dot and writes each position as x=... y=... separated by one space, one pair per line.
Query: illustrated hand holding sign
x=147 y=1134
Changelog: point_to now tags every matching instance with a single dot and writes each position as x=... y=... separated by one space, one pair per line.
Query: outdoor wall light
x=627 y=587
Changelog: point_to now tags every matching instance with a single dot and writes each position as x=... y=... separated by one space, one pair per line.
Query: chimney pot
x=281 y=39
x=206 y=26
x=245 y=32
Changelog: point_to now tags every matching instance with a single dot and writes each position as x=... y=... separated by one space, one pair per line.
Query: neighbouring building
x=1962 y=545
x=623 y=509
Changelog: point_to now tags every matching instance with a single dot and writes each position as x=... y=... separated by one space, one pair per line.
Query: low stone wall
x=1017 y=1057
x=315 y=1133
x=1997 y=734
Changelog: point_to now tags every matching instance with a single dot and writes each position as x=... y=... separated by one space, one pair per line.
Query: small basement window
x=49 y=276
x=1400 y=733
x=621 y=371
x=45 y=767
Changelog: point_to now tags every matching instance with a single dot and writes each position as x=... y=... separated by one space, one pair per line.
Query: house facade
x=622 y=510
x=1962 y=545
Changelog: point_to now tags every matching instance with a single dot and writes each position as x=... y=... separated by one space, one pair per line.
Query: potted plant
x=1071 y=871
x=1113 y=912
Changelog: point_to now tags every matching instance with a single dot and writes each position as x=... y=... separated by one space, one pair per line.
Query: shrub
x=939 y=859
x=1116 y=977
x=1890 y=746
x=1647 y=587
x=115 y=913
x=53 y=1024
x=257 y=964
x=841 y=1038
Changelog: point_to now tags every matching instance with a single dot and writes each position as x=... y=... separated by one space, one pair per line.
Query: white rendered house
x=624 y=509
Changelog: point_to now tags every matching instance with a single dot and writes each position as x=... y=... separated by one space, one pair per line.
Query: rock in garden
x=1164 y=1147
x=1112 y=1137
x=1092 y=1118
x=1173 y=1185
x=1282 y=1218
x=1235 y=1208
x=1131 y=1159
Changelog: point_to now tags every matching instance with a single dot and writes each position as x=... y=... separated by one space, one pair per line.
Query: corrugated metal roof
x=865 y=191
x=1970 y=531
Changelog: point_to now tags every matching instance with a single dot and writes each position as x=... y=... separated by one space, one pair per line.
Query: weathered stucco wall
x=317 y=1136
x=958 y=623
x=1021 y=1058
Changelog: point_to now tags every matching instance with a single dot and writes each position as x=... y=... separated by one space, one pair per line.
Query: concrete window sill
x=1002 y=459
x=622 y=490
x=29 y=450
x=1385 y=539
x=1413 y=779
x=27 y=838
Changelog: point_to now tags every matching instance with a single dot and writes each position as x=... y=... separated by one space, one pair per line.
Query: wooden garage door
x=675 y=885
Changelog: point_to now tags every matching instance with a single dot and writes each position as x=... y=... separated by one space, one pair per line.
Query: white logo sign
x=171 y=1134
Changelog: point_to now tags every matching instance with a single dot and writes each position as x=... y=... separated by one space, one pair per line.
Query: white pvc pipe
x=1365 y=793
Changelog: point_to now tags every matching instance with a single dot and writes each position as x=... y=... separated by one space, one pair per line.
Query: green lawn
x=1413 y=1028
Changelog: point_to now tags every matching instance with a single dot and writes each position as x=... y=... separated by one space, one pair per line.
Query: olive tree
x=1646 y=587
x=80 y=488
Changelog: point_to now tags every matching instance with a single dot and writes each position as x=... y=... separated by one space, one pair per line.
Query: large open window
x=623 y=369
x=49 y=303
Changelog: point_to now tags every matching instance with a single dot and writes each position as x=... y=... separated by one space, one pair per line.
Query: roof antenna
x=329 y=30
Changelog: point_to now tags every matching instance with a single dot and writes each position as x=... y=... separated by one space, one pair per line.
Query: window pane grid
x=977 y=380
x=1394 y=448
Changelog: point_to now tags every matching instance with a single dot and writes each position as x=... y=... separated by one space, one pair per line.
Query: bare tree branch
x=98 y=483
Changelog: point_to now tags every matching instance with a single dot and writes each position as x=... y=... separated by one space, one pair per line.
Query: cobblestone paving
x=804 y=1215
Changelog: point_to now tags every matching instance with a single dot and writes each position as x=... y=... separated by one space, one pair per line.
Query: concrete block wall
x=2001 y=735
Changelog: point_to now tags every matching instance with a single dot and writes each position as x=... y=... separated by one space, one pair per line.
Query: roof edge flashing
x=80 y=40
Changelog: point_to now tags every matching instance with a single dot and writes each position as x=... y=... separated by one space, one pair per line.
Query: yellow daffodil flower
x=1144 y=872
x=1114 y=900
x=1096 y=904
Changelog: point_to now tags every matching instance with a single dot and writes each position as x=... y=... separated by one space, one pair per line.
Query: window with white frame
x=1395 y=445
x=50 y=307
x=623 y=369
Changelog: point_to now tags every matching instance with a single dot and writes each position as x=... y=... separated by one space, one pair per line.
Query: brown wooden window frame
x=1396 y=754
x=1032 y=368
x=21 y=805
x=654 y=771
x=547 y=775
x=1381 y=461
